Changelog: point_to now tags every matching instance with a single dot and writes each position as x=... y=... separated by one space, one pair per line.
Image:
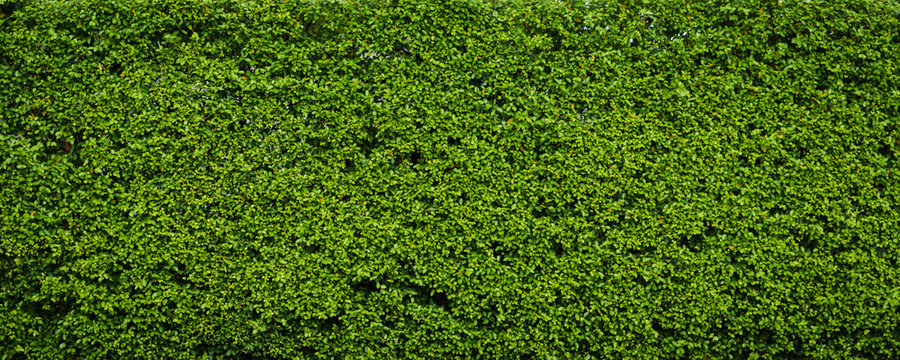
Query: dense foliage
x=464 y=178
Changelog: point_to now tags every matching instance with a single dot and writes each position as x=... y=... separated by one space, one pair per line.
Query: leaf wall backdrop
x=455 y=179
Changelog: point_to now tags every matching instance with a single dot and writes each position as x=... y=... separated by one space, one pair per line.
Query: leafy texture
x=449 y=179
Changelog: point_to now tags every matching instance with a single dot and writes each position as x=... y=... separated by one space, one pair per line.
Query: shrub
x=454 y=179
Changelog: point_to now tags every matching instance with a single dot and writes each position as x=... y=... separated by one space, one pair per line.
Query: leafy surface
x=450 y=179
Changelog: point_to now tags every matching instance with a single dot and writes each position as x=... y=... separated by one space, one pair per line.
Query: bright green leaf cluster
x=239 y=179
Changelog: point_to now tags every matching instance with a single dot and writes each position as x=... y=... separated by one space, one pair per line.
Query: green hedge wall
x=454 y=179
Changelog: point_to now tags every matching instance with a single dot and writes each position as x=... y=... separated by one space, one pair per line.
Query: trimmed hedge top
x=453 y=179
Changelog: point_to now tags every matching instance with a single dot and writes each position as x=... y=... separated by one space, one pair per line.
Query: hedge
x=263 y=179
